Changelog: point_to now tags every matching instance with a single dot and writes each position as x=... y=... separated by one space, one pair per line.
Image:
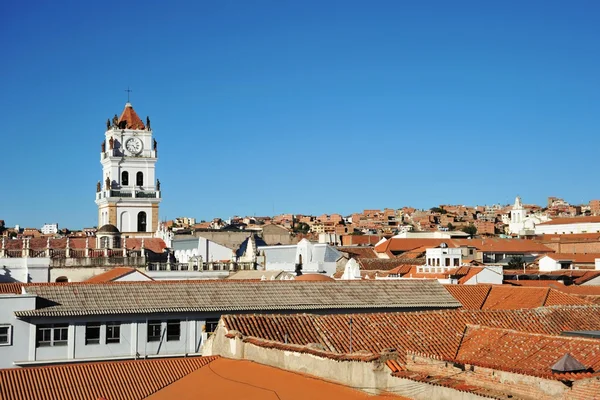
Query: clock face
x=134 y=145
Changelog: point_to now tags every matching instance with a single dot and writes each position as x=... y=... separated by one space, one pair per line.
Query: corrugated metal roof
x=130 y=380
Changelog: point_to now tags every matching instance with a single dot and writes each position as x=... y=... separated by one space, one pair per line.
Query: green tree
x=450 y=226
x=471 y=230
x=516 y=263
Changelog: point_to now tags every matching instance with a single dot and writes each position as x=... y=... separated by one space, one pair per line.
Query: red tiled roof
x=549 y=238
x=526 y=353
x=134 y=379
x=114 y=274
x=574 y=220
x=493 y=297
x=486 y=245
x=384 y=264
x=437 y=333
x=586 y=258
x=129 y=119
x=470 y=296
x=358 y=251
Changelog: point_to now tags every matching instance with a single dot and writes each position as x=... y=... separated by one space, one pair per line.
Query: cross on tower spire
x=128 y=91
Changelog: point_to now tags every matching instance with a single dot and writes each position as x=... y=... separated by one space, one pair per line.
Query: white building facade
x=129 y=194
x=318 y=258
x=50 y=229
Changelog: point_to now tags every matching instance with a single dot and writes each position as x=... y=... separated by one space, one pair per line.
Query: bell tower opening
x=141 y=223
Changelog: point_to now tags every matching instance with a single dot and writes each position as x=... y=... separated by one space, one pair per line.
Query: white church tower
x=129 y=193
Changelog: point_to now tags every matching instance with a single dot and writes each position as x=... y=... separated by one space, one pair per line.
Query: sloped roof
x=495 y=297
x=383 y=264
x=526 y=353
x=130 y=380
x=585 y=258
x=574 y=220
x=247 y=380
x=437 y=333
x=227 y=295
x=491 y=245
x=129 y=119
x=357 y=251
x=114 y=274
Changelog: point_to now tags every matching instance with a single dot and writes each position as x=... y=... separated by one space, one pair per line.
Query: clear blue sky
x=264 y=107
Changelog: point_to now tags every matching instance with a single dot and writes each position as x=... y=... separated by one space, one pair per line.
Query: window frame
x=151 y=327
x=111 y=328
x=88 y=327
x=8 y=334
x=173 y=325
x=60 y=329
x=52 y=335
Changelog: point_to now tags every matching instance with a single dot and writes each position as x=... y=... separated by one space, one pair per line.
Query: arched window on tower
x=124 y=178
x=141 y=222
x=104 y=242
x=139 y=179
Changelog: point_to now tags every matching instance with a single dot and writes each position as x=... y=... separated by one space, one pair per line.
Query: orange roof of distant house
x=561 y=237
x=490 y=245
x=114 y=274
x=585 y=258
x=129 y=119
x=574 y=220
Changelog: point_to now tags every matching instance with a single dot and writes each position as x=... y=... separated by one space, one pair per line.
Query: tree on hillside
x=471 y=230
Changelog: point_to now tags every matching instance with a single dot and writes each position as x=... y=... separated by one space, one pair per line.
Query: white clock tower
x=129 y=193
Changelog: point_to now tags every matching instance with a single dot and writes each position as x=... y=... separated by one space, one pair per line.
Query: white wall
x=548 y=264
x=18 y=349
x=24 y=269
x=588 y=227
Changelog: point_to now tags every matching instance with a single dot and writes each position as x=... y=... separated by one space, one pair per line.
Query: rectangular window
x=61 y=334
x=154 y=329
x=44 y=335
x=5 y=332
x=173 y=330
x=52 y=335
x=456 y=262
x=92 y=333
x=113 y=332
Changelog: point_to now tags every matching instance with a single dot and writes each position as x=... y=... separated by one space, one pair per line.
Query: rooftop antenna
x=128 y=92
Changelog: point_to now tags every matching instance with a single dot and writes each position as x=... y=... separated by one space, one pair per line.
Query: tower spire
x=128 y=92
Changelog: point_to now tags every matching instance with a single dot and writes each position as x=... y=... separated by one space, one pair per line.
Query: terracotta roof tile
x=135 y=379
x=526 y=353
x=486 y=245
x=574 y=220
x=114 y=274
x=494 y=297
x=383 y=264
x=129 y=119
x=436 y=333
